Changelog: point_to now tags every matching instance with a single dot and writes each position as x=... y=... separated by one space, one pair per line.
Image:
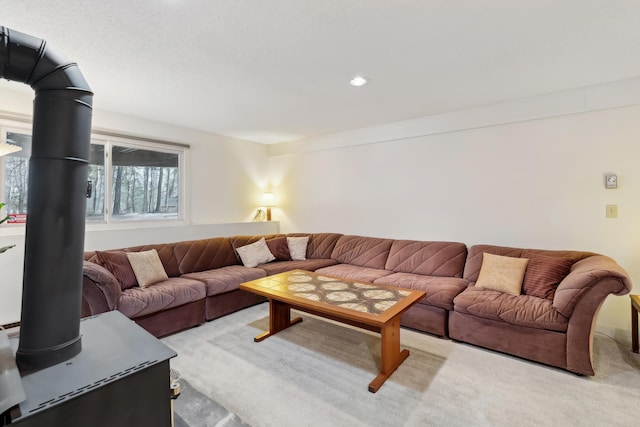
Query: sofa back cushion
x=445 y=259
x=204 y=254
x=542 y=279
x=320 y=245
x=371 y=252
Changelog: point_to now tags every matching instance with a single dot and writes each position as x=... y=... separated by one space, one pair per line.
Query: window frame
x=108 y=140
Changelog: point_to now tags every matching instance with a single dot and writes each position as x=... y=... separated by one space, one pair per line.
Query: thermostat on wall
x=611 y=181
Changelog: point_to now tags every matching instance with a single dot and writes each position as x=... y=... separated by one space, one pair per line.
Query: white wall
x=526 y=183
x=226 y=176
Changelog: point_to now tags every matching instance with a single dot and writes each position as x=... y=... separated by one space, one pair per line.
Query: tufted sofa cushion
x=205 y=254
x=175 y=291
x=521 y=310
x=225 y=279
x=361 y=251
x=440 y=290
x=427 y=258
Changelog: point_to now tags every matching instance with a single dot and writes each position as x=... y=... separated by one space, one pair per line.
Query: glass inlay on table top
x=363 y=297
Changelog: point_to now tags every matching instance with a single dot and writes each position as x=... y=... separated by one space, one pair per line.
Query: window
x=16 y=172
x=145 y=183
x=127 y=179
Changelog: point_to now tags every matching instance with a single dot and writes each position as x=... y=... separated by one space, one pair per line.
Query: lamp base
x=268 y=214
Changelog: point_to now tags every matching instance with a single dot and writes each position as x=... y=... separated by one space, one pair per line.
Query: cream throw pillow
x=147 y=267
x=502 y=273
x=255 y=254
x=298 y=247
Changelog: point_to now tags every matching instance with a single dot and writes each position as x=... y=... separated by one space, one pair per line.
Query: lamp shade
x=8 y=148
x=268 y=199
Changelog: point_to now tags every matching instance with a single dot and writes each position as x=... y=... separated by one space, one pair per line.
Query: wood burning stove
x=105 y=370
x=120 y=378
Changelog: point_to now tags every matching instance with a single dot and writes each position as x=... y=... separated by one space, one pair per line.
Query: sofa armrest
x=100 y=289
x=596 y=270
x=579 y=298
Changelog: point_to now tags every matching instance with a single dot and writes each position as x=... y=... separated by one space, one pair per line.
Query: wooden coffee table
x=369 y=306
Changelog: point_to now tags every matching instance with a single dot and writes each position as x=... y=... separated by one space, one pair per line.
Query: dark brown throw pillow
x=279 y=248
x=544 y=274
x=118 y=264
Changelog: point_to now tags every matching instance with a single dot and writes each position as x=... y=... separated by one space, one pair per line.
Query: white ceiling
x=278 y=70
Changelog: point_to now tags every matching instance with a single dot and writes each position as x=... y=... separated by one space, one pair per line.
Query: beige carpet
x=316 y=374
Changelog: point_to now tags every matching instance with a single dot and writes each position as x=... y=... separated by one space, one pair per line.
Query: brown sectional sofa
x=204 y=275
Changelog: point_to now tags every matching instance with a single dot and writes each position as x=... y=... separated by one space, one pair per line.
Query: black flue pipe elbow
x=58 y=168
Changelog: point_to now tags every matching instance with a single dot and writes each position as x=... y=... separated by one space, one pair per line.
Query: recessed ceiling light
x=358 y=81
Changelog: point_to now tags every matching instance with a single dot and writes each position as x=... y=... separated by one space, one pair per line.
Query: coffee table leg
x=279 y=319
x=391 y=356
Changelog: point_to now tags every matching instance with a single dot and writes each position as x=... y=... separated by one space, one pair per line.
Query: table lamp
x=268 y=200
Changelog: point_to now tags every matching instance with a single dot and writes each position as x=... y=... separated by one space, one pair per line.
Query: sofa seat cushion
x=276 y=267
x=174 y=292
x=225 y=279
x=440 y=290
x=521 y=310
x=354 y=272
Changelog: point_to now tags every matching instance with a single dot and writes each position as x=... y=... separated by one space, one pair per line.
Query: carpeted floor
x=316 y=374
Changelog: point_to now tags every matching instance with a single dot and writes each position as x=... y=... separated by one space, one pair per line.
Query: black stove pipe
x=58 y=167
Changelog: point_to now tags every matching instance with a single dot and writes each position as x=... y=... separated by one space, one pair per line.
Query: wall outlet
x=611 y=211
